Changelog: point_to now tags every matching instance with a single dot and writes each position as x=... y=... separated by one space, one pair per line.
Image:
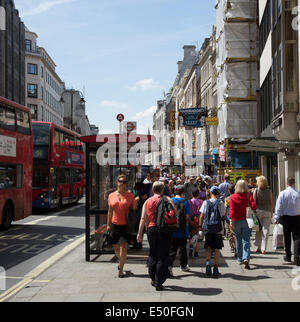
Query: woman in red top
x=239 y=201
x=119 y=204
x=159 y=241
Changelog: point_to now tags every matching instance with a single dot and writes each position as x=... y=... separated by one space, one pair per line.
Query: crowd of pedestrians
x=210 y=212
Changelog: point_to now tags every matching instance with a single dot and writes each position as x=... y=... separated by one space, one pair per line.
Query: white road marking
x=34 y=222
x=29 y=277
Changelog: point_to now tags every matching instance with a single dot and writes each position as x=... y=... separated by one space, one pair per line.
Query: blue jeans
x=242 y=233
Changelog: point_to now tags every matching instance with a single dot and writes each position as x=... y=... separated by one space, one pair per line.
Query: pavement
x=72 y=279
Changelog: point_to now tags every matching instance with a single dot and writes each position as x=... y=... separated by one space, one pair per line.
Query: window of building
x=32 y=69
x=28 y=45
x=277 y=81
x=34 y=111
x=265 y=27
x=42 y=71
x=266 y=102
x=32 y=90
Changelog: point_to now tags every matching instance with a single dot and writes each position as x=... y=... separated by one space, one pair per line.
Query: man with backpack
x=180 y=236
x=160 y=218
x=212 y=212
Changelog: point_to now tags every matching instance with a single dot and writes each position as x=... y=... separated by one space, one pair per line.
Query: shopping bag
x=278 y=240
x=250 y=222
x=256 y=224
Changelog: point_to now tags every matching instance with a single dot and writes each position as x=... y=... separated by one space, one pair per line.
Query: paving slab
x=72 y=279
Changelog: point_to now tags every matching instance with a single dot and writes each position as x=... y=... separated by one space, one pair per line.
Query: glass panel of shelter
x=103 y=181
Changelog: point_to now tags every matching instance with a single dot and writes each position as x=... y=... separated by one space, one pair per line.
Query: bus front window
x=40 y=178
x=41 y=134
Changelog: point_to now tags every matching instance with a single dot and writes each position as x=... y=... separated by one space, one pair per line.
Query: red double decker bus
x=58 y=166
x=16 y=152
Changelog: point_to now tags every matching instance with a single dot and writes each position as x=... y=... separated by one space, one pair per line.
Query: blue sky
x=124 y=53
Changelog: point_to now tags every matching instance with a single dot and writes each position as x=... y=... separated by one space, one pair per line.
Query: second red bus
x=58 y=166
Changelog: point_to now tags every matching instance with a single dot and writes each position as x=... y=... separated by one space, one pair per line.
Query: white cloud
x=144 y=85
x=45 y=6
x=113 y=104
x=148 y=113
x=145 y=120
x=106 y=131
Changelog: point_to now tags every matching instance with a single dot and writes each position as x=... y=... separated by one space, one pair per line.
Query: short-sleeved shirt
x=220 y=206
x=150 y=205
x=120 y=208
x=182 y=233
x=224 y=190
x=195 y=205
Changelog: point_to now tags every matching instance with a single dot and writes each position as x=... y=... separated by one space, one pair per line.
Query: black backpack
x=165 y=216
x=181 y=214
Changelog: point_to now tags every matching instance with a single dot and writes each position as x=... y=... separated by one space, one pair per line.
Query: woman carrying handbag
x=119 y=204
x=239 y=202
x=264 y=200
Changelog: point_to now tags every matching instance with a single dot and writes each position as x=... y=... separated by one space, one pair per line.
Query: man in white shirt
x=287 y=212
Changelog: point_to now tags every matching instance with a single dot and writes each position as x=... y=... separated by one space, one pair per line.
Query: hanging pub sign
x=194 y=117
x=212 y=121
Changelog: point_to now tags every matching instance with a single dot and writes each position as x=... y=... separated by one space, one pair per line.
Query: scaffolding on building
x=237 y=75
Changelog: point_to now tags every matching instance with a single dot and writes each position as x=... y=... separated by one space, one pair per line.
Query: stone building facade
x=12 y=54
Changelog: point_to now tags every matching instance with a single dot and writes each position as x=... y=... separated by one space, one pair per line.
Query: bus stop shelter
x=106 y=157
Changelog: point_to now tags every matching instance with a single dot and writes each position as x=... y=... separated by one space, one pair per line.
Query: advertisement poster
x=7 y=146
x=194 y=117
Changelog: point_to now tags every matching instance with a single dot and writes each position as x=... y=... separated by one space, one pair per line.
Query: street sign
x=131 y=126
x=120 y=117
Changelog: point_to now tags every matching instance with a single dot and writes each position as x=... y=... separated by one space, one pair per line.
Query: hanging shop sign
x=194 y=117
x=212 y=121
x=172 y=118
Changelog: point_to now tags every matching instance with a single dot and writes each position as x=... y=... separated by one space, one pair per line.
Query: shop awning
x=270 y=144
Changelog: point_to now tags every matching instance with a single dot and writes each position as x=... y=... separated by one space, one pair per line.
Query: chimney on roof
x=179 y=63
x=189 y=50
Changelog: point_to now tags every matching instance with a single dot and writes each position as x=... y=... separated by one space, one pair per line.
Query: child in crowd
x=179 y=241
x=194 y=238
x=212 y=211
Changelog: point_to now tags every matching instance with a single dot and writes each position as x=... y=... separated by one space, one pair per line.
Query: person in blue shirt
x=180 y=236
x=224 y=187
